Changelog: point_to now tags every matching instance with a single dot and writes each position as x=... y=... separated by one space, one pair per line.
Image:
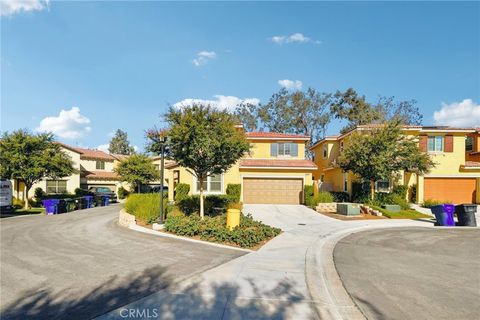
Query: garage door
x=272 y=190
x=453 y=189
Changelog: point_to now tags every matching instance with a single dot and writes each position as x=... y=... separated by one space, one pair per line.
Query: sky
x=84 y=69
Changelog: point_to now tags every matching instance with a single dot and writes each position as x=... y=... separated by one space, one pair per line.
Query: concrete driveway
x=291 y=277
x=82 y=264
x=414 y=273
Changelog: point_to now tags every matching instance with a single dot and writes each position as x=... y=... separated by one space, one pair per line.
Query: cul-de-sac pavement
x=84 y=265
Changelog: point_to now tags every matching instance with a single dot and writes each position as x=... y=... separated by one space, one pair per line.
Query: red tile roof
x=100 y=175
x=277 y=163
x=275 y=135
x=472 y=164
x=94 y=154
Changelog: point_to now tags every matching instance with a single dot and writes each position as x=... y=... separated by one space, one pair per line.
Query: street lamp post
x=162 y=164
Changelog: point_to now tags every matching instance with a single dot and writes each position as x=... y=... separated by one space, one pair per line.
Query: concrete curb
x=169 y=235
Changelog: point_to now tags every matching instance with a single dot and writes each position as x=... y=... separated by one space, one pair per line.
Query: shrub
x=233 y=191
x=235 y=205
x=431 y=202
x=59 y=196
x=39 y=193
x=360 y=191
x=122 y=193
x=35 y=202
x=340 y=196
x=400 y=190
x=181 y=191
x=18 y=203
x=413 y=193
x=145 y=206
x=212 y=203
x=248 y=234
x=80 y=192
x=323 y=197
x=308 y=191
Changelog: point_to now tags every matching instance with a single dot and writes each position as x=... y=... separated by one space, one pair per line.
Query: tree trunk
x=27 y=205
x=372 y=189
x=138 y=187
x=201 y=198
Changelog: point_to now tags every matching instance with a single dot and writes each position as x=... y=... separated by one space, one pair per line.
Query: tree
x=30 y=158
x=137 y=169
x=380 y=153
x=120 y=144
x=353 y=108
x=205 y=141
x=290 y=112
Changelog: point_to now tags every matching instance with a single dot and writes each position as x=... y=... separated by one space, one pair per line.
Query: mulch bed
x=342 y=217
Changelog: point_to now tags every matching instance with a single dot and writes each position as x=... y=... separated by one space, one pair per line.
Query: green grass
x=402 y=214
x=30 y=211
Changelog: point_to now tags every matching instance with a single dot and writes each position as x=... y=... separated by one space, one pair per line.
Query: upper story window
x=100 y=165
x=469 y=144
x=284 y=149
x=435 y=143
x=213 y=184
x=325 y=151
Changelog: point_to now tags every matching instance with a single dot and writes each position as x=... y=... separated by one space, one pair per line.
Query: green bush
x=122 y=193
x=18 y=203
x=340 y=196
x=59 y=196
x=35 y=202
x=213 y=204
x=360 y=192
x=400 y=190
x=413 y=193
x=431 y=202
x=145 y=206
x=39 y=193
x=323 y=197
x=248 y=234
x=80 y=192
x=308 y=191
x=181 y=191
x=234 y=191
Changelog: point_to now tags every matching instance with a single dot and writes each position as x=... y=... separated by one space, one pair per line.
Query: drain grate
x=302 y=224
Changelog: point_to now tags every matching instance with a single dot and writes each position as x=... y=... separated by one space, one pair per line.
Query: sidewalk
x=291 y=277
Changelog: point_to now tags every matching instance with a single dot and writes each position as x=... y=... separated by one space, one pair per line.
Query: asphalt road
x=414 y=273
x=82 y=264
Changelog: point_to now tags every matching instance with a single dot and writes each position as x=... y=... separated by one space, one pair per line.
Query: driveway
x=82 y=264
x=291 y=277
x=414 y=273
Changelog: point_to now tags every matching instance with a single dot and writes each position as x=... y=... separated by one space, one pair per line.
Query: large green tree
x=137 y=169
x=205 y=141
x=120 y=144
x=379 y=154
x=300 y=112
x=30 y=158
x=356 y=110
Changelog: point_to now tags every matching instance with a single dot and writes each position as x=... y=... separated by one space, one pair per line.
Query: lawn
x=29 y=211
x=402 y=214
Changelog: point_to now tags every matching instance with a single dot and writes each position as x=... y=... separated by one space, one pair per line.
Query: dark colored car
x=103 y=191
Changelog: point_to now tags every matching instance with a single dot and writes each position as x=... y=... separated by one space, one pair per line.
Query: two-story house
x=455 y=177
x=275 y=171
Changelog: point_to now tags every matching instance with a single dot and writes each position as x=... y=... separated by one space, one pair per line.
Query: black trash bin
x=466 y=215
x=81 y=203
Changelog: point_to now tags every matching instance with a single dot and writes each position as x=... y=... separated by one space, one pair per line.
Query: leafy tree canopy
x=120 y=144
x=205 y=140
x=380 y=153
x=137 y=169
x=33 y=157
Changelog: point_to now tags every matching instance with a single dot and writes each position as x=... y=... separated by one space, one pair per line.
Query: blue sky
x=119 y=64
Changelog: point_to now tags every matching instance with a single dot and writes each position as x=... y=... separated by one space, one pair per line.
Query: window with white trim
x=435 y=143
x=56 y=186
x=382 y=186
x=100 y=165
x=285 y=149
x=469 y=143
x=213 y=184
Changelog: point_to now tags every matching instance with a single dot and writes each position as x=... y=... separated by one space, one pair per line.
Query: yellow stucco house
x=275 y=171
x=456 y=176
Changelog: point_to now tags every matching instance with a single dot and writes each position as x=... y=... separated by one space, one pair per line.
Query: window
x=341 y=146
x=345 y=181
x=322 y=178
x=469 y=144
x=284 y=149
x=382 y=186
x=325 y=151
x=212 y=185
x=435 y=143
x=100 y=165
x=56 y=186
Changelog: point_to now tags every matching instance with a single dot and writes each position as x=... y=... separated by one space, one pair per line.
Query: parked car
x=103 y=191
x=5 y=195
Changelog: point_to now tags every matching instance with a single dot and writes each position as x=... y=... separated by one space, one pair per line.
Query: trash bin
x=444 y=214
x=80 y=203
x=98 y=201
x=62 y=206
x=69 y=205
x=105 y=200
x=50 y=206
x=89 y=201
x=466 y=215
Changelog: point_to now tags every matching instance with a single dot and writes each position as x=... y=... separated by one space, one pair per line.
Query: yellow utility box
x=233 y=218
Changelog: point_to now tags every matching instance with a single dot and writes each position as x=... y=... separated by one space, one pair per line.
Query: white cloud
x=295 y=37
x=220 y=102
x=458 y=114
x=291 y=84
x=10 y=7
x=203 y=57
x=69 y=124
x=104 y=147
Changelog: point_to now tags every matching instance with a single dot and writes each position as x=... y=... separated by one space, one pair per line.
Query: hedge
x=234 y=191
x=213 y=204
x=181 y=191
x=145 y=206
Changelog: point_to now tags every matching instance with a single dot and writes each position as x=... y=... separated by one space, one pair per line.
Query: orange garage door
x=271 y=190
x=457 y=190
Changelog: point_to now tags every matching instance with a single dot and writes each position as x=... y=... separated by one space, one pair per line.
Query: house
x=455 y=177
x=275 y=171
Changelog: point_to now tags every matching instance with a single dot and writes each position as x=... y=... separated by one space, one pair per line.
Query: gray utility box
x=391 y=207
x=348 y=209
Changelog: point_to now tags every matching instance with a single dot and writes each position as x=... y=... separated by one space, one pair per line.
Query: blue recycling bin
x=51 y=206
x=89 y=201
x=444 y=214
x=105 y=200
